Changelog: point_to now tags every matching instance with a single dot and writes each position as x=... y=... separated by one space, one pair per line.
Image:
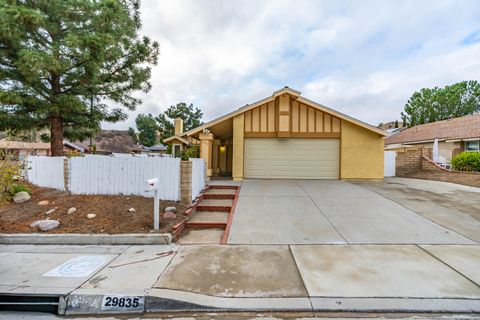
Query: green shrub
x=19 y=188
x=191 y=152
x=467 y=161
x=9 y=172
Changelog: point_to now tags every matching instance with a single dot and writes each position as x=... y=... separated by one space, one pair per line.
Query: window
x=176 y=150
x=472 y=146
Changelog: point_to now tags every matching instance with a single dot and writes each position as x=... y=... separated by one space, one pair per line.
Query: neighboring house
x=454 y=136
x=71 y=146
x=391 y=125
x=157 y=148
x=394 y=130
x=106 y=142
x=286 y=136
x=21 y=149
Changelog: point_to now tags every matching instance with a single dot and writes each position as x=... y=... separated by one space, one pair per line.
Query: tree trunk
x=56 y=136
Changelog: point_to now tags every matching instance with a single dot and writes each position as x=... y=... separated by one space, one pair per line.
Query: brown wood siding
x=271 y=117
x=327 y=123
x=248 y=121
x=311 y=120
x=256 y=120
x=294 y=119
x=263 y=118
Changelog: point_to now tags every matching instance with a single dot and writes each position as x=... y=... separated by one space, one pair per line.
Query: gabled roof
x=462 y=128
x=179 y=138
x=275 y=94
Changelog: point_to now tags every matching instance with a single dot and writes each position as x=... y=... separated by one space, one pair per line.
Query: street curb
x=166 y=300
x=88 y=304
x=440 y=305
x=158 y=300
x=86 y=239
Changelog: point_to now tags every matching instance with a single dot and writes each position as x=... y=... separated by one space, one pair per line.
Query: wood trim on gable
x=297 y=120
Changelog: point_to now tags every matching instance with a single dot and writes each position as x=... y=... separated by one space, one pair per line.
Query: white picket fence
x=122 y=175
x=97 y=174
x=198 y=176
x=46 y=172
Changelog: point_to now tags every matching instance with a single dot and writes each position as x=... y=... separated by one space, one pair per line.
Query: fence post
x=66 y=173
x=205 y=177
x=186 y=182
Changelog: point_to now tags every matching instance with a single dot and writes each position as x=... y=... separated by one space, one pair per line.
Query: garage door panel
x=291 y=158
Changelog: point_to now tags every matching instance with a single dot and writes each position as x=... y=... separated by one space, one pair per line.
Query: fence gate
x=389 y=163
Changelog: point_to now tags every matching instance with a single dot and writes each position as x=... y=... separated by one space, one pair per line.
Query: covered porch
x=216 y=146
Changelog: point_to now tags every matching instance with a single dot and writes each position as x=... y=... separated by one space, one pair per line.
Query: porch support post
x=215 y=157
x=206 y=148
x=238 y=134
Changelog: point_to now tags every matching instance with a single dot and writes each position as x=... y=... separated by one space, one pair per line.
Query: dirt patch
x=112 y=215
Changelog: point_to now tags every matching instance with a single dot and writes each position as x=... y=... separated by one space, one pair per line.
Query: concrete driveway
x=340 y=212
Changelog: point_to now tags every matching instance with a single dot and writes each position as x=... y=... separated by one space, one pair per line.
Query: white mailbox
x=151 y=184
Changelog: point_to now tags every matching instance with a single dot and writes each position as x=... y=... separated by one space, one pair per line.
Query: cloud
x=381 y=94
x=363 y=58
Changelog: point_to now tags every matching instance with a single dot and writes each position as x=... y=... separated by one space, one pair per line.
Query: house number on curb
x=123 y=303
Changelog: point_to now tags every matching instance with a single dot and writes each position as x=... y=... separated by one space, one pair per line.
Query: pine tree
x=62 y=61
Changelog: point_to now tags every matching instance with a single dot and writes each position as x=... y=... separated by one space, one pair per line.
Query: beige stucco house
x=21 y=150
x=286 y=136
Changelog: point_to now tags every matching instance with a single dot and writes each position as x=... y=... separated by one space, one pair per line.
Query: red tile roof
x=453 y=129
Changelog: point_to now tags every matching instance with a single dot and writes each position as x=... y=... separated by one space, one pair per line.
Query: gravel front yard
x=112 y=214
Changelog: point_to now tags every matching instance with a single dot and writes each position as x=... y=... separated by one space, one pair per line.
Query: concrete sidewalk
x=304 y=278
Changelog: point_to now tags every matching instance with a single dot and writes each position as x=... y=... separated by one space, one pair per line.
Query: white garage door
x=291 y=158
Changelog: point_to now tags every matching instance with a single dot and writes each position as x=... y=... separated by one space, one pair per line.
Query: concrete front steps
x=209 y=217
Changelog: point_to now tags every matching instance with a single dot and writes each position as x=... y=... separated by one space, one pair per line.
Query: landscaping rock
x=21 y=197
x=43 y=203
x=91 y=215
x=169 y=215
x=131 y=210
x=45 y=225
x=72 y=210
x=50 y=211
x=171 y=209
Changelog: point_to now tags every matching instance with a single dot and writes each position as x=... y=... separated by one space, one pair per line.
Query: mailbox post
x=152 y=185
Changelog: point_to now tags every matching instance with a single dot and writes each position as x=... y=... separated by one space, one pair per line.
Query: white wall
x=198 y=176
x=389 y=163
x=124 y=175
x=46 y=172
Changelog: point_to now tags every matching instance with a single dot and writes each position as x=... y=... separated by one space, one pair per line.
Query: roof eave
x=271 y=98
x=176 y=137
x=343 y=116
x=224 y=117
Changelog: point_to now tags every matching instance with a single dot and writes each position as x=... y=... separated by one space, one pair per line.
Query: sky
x=362 y=58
